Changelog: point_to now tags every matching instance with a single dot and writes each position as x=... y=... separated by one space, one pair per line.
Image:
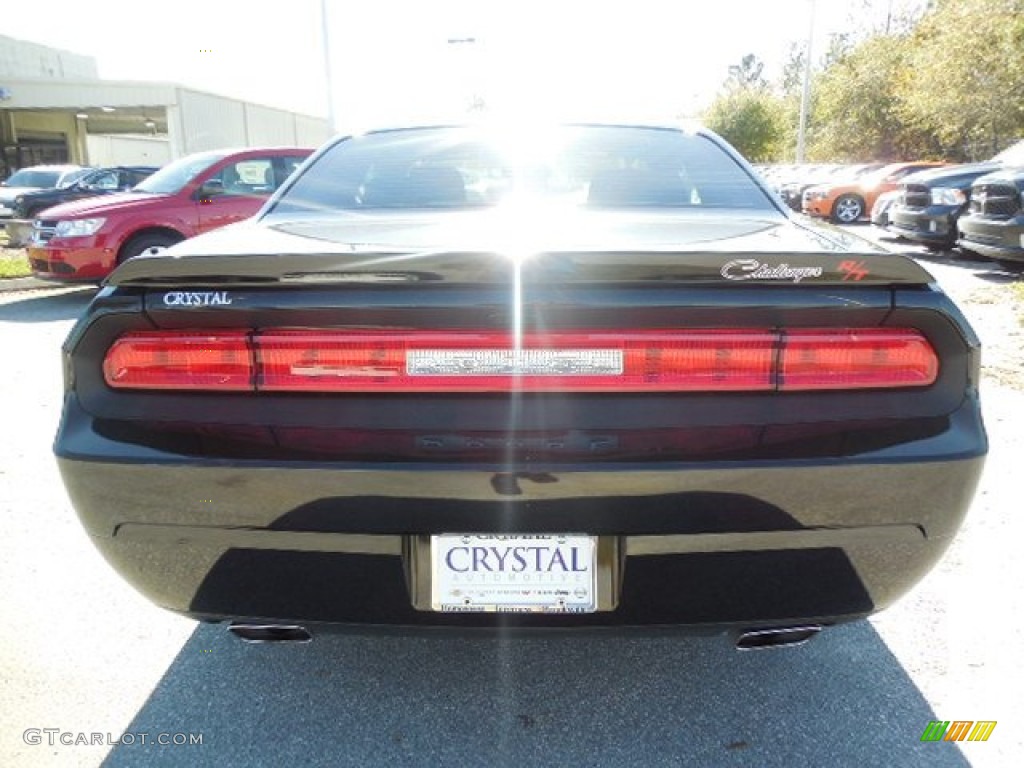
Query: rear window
x=594 y=166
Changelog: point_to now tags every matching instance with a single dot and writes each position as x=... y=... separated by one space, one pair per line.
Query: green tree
x=967 y=87
x=746 y=113
x=747 y=74
x=750 y=119
x=793 y=70
x=859 y=109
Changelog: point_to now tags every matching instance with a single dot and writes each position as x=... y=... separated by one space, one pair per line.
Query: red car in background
x=86 y=239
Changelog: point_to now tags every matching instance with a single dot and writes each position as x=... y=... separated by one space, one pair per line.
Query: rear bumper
x=713 y=543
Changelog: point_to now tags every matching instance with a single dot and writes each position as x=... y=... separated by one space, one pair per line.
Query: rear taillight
x=337 y=361
x=204 y=360
x=294 y=360
x=858 y=358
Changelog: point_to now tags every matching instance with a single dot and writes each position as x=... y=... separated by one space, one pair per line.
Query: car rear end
x=780 y=453
x=609 y=418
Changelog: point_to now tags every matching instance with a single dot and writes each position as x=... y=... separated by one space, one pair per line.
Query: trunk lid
x=492 y=248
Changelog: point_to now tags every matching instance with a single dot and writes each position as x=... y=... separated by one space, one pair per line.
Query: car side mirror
x=210 y=188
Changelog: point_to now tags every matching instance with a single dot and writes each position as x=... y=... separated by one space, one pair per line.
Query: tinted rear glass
x=596 y=166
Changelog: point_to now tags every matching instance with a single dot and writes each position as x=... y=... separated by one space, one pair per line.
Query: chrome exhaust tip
x=270 y=633
x=776 y=637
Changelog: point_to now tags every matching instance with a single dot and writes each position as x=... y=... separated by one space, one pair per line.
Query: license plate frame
x=544 y=573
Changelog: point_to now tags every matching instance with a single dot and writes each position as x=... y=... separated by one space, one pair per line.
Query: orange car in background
x=845 y=202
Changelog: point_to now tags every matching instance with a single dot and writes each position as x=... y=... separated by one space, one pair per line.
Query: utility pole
x=474 y=101
x=805 y=97
x=324 y=27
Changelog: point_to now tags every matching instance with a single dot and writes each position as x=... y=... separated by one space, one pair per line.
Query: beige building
x=54 y=109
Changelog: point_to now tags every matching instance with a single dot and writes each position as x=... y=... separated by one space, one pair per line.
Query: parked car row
x=32 y=190
x=793 y=181
x=979 y=207
x=847 y=201
x=99 y=181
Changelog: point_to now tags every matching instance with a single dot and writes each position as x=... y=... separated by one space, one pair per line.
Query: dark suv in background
x=931 y=202
x=102 y=181
x=31 y=179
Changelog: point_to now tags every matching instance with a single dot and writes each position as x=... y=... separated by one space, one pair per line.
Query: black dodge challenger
x=585 y=376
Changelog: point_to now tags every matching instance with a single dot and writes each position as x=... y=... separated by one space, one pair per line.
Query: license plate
x=513 y=573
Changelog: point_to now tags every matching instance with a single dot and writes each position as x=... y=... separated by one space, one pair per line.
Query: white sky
x=391 y=59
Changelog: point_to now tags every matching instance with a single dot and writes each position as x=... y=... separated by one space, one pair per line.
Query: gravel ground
x=994 y=303
x=991 y=298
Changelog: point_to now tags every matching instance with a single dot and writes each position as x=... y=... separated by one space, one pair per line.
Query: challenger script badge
x=752 y=269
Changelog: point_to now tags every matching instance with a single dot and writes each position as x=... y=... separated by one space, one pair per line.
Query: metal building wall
x=207 y=121
x=74 y=95
x=310 y=131
x=20 y=58
x=195 y=120
x=268 y=126
x=210 y=122
x=128 y=150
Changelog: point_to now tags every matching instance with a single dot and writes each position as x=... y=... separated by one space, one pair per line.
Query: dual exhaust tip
x=776 y=637
x=270 y=633
x=751 y=640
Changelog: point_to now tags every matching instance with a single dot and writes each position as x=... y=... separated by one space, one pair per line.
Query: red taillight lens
x=856 y=358
x=214 y=360
x=458 y=361
x=287 y=360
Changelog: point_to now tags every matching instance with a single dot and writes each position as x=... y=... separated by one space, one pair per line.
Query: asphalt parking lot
x=84 y=659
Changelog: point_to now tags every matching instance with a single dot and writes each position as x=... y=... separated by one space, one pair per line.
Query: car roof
x=228 y=151
x=54 y=167
x=685 y=125
x=128 y=168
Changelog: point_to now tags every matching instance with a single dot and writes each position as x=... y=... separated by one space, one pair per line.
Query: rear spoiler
x=549 y=268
